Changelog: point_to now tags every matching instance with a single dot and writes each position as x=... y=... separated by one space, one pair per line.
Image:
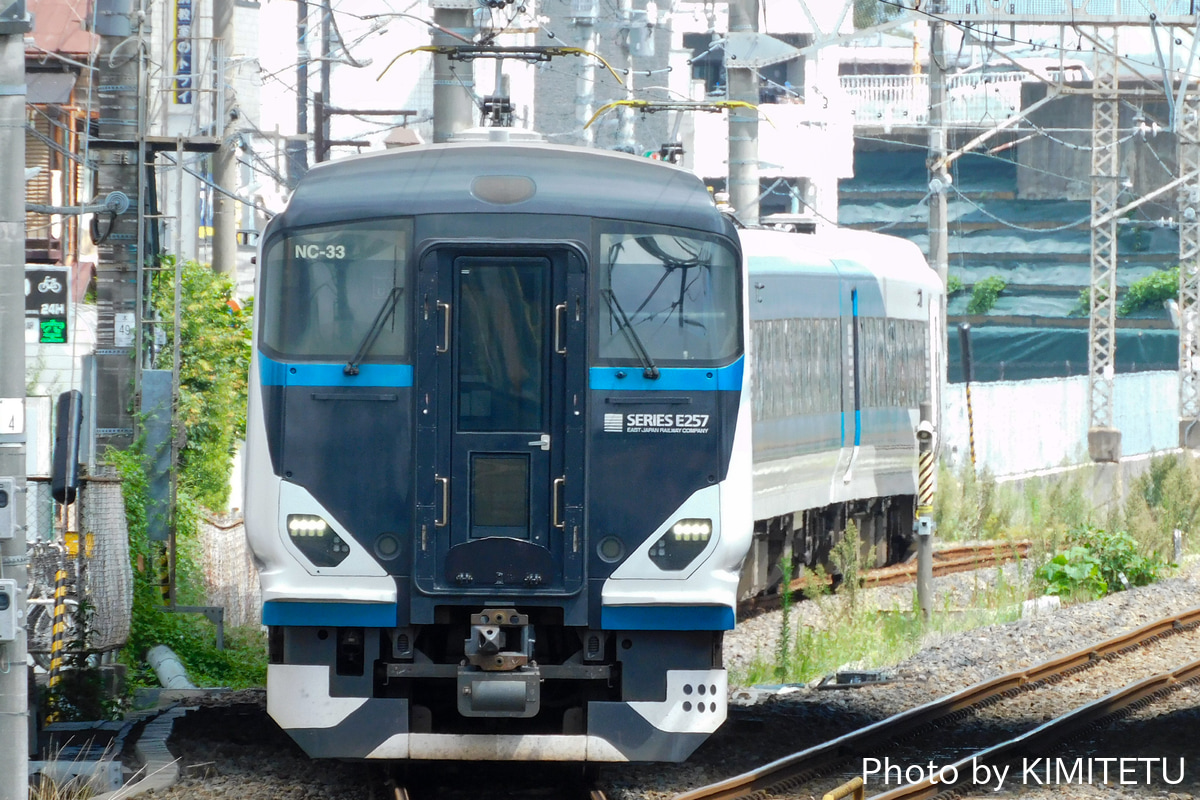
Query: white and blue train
x=500 y=478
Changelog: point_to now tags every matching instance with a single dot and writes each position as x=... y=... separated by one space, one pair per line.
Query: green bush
x=983 y=297
x=954 y=285
x=1098 y=563
x=243 y=661
x=213 y=373
x=214 y=369
x=1075 y=572
x=1150 y=291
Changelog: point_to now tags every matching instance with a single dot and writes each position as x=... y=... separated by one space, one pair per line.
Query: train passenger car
x=498 y=455
x=844 y=349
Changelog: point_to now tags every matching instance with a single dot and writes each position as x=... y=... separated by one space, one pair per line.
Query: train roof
x=836 y=251
x=440 y=178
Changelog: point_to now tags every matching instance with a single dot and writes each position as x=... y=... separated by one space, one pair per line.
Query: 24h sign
x=46 y=292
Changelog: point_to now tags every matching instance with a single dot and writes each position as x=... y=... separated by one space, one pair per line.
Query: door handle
x=560 y=312
x=559 y=485
x=444 y=347
x=542 y=441
x=445 y=482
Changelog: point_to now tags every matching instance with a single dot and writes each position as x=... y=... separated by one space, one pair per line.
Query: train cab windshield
x=673 y=296
x=324 y=289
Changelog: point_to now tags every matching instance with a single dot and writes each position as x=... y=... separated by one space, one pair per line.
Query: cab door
x=499 y=353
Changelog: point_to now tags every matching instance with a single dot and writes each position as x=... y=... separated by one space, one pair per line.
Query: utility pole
x=324 y=98
x=939 y=178
x=628 y=139
x=585 y=84
x=453 y=81
x=297 y=149
x=14 y=677
x=225 y=173
x=743 y=122
x=120 y=153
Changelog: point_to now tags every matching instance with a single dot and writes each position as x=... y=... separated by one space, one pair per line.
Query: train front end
x=498 y=459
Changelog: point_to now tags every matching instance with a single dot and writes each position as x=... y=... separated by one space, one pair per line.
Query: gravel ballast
x=255 y=763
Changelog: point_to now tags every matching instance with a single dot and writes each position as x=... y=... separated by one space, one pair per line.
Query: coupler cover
x=499 y=694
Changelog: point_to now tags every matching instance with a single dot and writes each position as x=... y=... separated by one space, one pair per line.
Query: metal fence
x=898 y=100
x=230 y=577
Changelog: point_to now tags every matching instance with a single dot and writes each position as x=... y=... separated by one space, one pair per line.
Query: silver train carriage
x=498 y=458
x=844 y=348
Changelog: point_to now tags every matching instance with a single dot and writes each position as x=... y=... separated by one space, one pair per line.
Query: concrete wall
x=1027 y=426
x=1052 y=170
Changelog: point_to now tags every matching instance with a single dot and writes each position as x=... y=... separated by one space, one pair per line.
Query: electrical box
x=8 y=610
x=8 y=508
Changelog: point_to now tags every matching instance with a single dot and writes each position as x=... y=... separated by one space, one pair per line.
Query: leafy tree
x=213 y=372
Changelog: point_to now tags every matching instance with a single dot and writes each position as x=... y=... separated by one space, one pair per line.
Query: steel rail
x=1049 y=733
x=790 y=771
x=946 y=562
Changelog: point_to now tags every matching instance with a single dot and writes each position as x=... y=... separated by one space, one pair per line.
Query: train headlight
x=680 y=545
x=317 y=540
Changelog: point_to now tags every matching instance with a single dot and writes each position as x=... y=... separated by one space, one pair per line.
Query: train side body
x=844 y=349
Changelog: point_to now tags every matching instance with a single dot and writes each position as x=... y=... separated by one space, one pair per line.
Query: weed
x=1163 y=500
x=1099 y=562
x=985 y=293
x=1150 y=291
x=848 y=557
x=80 y=691
x=866 y=637
x=1074 y=573
x=785 y=634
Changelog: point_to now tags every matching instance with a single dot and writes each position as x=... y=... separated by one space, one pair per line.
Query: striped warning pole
x=925 y=482
x=925 y=523
x=58 y=635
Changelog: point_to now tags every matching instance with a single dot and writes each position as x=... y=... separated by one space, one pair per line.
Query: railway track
x=786 y=775
x=1000 y=758
x=946 y=561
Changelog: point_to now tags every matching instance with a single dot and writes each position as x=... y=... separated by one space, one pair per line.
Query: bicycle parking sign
x=46 y=292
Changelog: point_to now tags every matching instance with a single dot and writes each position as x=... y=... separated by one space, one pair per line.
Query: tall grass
x=857 y=635
x=1053 y=513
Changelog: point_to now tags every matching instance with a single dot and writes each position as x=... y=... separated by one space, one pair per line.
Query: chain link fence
x=230 y=577
x=104 y=556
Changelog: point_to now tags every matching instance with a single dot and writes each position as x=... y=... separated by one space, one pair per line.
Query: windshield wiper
x=649 y=370
x=385 y=313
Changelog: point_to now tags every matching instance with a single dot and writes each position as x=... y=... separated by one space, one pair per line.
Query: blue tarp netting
x=1056 y=259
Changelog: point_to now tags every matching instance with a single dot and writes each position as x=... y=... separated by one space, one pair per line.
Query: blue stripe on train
x=666 y=618
x=358 y=615
x=306 y=373
x=670 y=379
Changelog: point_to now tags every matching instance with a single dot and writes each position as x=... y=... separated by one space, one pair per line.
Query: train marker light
x=316 y=539
x=681 y=544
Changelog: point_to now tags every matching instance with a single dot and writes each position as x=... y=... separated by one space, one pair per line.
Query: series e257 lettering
x=666 y=420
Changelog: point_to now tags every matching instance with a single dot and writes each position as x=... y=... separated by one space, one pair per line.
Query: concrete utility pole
x=14 y=677
x=453 y=81
x=321 y=151
x=743 y=122
x=225 y=172
x=297 y=149
x=625 y=113
x=585 y=84
x=939 y=178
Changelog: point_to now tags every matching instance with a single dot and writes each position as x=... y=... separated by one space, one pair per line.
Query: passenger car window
x=324 y=286
x=677 y=294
